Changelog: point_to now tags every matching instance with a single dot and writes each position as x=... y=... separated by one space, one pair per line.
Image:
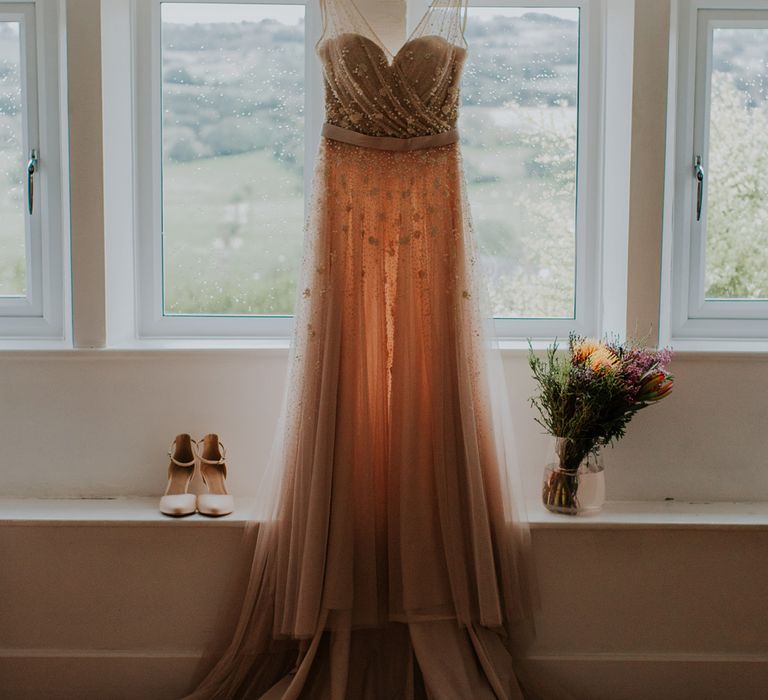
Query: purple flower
x=637 y=363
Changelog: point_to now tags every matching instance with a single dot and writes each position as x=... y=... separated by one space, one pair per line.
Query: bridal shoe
x=213 y=470
x=176 y=500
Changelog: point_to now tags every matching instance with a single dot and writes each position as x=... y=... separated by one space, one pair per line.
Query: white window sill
x=720 y=346
x=278 y=346
x=108 y=512
x=700 y=348
x=666 y=515
x=617 y=515
x=34 y=344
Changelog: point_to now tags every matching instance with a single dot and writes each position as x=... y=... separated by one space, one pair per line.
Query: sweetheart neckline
x=387 y=53
x=379 y=40
x=380 y=43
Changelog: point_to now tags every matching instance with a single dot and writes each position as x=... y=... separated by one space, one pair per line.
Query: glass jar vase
x=574 y=481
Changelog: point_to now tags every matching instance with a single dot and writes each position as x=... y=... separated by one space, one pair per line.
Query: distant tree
x=737 y=204
x=179 y=76
x=529 y=258
x=10 y=104
x=233 y=135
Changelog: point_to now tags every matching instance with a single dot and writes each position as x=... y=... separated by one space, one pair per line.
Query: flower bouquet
x=586 y=399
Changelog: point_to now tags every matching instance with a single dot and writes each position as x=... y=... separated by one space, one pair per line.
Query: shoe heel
x=213 y=470
x=177 y=501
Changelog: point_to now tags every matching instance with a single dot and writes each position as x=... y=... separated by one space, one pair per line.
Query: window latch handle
x=698 y=171
x=31 y=170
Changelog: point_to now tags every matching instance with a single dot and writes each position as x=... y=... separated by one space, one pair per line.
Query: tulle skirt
x=392 y=557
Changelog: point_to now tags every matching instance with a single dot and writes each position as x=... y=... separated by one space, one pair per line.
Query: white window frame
x=40 y=314
x=134 y=264
x=688 y=318
x=151 y=322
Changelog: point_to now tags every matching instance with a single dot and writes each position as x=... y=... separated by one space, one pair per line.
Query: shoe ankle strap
x=172 y=451
x=222 y=451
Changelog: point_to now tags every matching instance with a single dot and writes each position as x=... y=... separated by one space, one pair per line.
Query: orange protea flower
x=582 y=350
x=656 y=386
x=603 y=360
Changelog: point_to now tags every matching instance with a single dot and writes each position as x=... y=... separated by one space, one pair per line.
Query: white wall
x=128 y=611
x=108 y=613
x=98 y=423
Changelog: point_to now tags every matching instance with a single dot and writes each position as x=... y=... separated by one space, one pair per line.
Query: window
x=233 y=139
x=31 y=275
x=222 y=126
x=519 y=124
x=720 y=283
x=229 y=109
x=13 y=277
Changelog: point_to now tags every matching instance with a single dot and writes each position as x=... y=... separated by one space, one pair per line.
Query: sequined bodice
x=412 y=93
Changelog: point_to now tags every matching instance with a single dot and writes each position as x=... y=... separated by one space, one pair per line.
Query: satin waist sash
x=389 y=143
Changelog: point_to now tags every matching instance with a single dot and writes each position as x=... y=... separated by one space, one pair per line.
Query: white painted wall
x=108 y=613
x=126 y=612
x=98 y=423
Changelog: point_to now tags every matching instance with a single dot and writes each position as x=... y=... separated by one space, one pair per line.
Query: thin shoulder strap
x=323 y=23
x=323 y=16
x=460 y=10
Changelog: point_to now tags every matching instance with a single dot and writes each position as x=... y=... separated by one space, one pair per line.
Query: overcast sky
x=192 y=13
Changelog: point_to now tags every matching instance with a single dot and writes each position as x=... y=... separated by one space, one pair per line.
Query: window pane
x=737 y=194
x=233 y=123
x=13 y=259
x=519 y=128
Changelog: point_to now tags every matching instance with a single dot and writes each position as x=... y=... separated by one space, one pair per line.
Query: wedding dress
x=393 y=560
